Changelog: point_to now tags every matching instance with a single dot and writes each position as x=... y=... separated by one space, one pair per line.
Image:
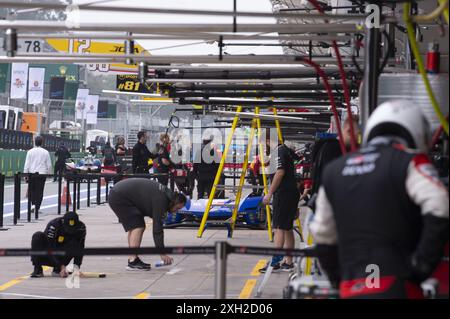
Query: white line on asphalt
x=11 y=186
x=127 y=297
x=47 y=206
x=50 y=297
x=50 y=196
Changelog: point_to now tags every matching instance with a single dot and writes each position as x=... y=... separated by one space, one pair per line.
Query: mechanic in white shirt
x=37 y=161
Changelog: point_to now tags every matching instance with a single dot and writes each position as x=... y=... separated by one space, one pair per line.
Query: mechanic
x=141 y=155
x=66 y=232
x=206 y=165
x=325 y=151
x=383 y=206
x=62 y=154
x=133 y=199
x=286 y=196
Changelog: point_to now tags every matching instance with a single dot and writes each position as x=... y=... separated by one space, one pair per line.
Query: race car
x=251 y=213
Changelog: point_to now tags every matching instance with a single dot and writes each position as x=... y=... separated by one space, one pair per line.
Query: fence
x=17 y=140
x=220 y=250
x=72 y=179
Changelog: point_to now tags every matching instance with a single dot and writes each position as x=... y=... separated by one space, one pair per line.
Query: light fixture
x=155 y=101
x=132 y=93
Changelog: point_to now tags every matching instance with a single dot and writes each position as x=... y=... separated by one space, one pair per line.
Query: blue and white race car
x=251 y=213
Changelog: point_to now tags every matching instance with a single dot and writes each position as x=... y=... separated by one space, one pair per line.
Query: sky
x=156 y=47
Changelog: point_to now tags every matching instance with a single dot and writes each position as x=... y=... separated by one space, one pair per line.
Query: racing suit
x=381 y=222
x=56 y=237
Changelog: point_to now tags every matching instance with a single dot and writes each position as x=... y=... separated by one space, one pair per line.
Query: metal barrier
x=221 y=250
x=71 y=177
x=2 y=199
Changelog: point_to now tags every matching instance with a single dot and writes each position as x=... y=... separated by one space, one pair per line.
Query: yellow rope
x=420 y=65
x=443 y=7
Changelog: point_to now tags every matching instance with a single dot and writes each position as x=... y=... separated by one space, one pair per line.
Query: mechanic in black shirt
x=383 y=211
x=62 y=154
x=206 y=165
x=141 y=155
x=134 y=198
x=66 y=232
x=286 y=196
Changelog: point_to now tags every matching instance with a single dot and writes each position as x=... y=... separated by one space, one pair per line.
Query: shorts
x=285 y=206
x=129 y=216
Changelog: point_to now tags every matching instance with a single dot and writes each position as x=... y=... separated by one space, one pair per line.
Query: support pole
x=99 y=189
x=59 y=191
x=221 y=270
x=75 y=182
x=2 y=198
x=277 y=123
x=218 y=175
x=67 y=193
x=30 y=185
x=16 y=198
x=106 y=189
x=308 y=267
x=265 y=183
x=242 y=179
x=371 y=73
x=78 y=193
x=89 y=191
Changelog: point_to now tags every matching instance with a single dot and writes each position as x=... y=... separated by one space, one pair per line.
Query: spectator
x=37 y=161
x=163 y=162
x=109 y=157
x=92 y=149
x=120 y=148
x=256 y=177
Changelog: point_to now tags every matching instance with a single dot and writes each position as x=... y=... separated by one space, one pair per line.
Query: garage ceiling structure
x=328 y=52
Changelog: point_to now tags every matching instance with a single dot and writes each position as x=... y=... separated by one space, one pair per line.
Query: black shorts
x=285 y=206
x=129 y=216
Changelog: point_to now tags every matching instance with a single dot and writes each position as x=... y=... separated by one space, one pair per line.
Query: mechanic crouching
x=63 y=233
x=381 y=220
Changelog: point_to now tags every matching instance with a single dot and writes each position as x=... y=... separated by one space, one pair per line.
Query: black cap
x=70 y=222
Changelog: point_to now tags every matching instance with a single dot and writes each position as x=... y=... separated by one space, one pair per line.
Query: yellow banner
x=98 y=47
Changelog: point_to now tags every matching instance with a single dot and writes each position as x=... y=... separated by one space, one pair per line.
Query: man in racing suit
x=381 y=221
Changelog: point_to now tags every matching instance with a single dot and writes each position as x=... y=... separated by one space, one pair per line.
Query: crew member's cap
x=70 y=221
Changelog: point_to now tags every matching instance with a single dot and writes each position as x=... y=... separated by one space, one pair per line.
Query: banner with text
x=92 y=109
x=19 y=79
x=36 y=77
x=80 y=104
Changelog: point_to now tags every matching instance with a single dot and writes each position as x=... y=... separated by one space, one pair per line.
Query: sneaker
x=275 y=263
x=276 y=268
x=138 y=264
x=287 y=267
x=38 y=272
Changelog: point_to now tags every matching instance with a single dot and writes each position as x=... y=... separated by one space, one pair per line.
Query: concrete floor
x=191 y=276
